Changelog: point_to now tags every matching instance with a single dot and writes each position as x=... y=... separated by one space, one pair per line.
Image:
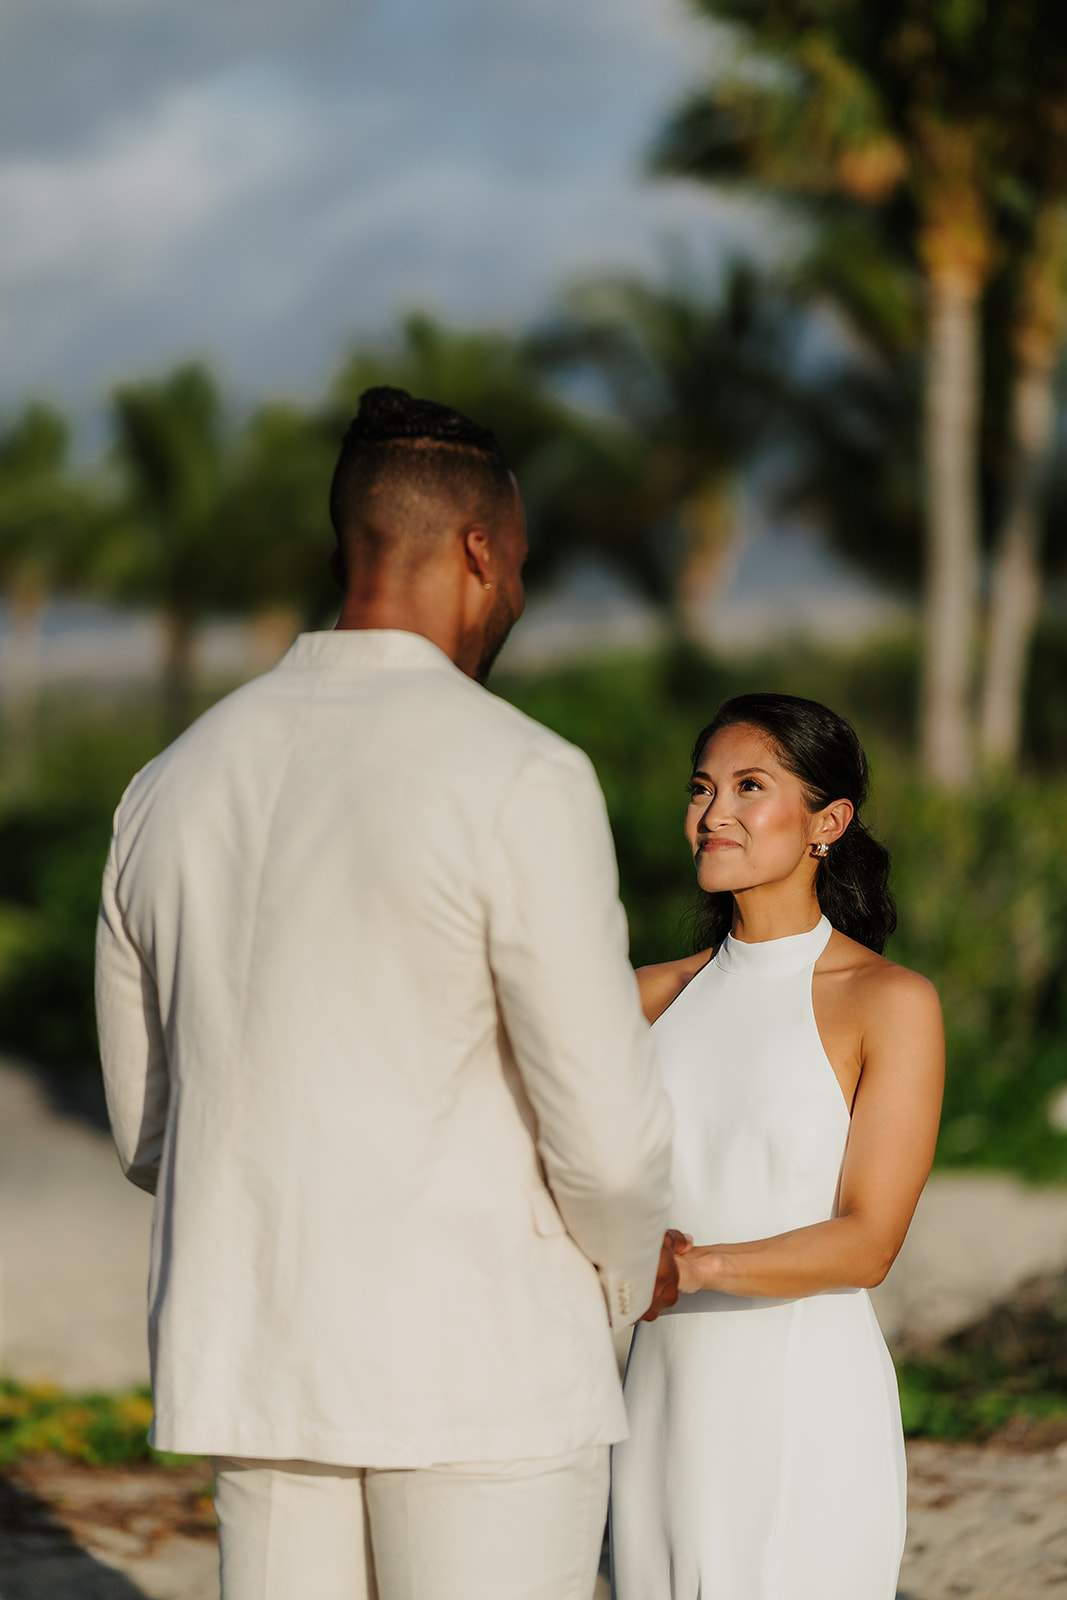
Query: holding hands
x=668 y=1273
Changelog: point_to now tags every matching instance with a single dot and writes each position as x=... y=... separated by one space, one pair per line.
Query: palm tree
x=700 y=382
x=580 y=474
x=918 y=106
x=1036 y=331
x=277 y=509
x=44 y=528
x=171 y=544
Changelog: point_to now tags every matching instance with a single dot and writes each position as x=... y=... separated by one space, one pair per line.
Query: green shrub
x=939 y=1401
x=54 y=833
x=99 y=1429
x=981 y=881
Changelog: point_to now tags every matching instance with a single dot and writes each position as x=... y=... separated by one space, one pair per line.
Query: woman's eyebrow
x=742 y=772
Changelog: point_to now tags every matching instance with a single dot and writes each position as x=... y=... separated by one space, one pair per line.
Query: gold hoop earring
x=820 y=850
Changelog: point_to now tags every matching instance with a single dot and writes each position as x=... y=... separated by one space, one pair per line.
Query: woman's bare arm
x=663 y=983
x=890 y=1150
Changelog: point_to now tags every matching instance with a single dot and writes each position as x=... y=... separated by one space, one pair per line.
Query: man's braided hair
x=387 y=415
x=404 y=444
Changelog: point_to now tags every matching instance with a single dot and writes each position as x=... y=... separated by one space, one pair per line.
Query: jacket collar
x=363 y=649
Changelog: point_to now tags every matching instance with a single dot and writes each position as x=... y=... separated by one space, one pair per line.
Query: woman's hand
x=697 y=1266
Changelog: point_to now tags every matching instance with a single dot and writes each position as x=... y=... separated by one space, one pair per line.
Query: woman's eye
x=751 y=783
x=697 y=791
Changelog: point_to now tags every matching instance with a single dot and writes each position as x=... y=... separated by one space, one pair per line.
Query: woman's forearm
x=845 y=1252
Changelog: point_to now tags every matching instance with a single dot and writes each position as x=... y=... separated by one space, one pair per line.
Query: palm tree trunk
x=1015 y=591
x=708 y=523
x=20 y=679
x=951 y=449
x=179 y=640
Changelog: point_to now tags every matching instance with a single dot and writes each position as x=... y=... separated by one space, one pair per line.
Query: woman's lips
x=718 y=844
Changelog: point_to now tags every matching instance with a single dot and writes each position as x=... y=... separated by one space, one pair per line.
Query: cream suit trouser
x=520 y=1530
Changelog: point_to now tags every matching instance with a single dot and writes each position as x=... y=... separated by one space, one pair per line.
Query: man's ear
x=476 y=549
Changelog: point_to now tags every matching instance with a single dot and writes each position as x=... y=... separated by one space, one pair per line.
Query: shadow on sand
x=39 y=1560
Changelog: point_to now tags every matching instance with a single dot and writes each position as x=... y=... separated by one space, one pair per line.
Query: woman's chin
x=718 y=879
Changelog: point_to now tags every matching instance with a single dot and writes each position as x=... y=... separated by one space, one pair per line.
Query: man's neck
x=427 y=614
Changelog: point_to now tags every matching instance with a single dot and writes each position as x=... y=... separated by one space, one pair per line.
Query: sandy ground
x=74 y=1249
x=974 y=1240
x=985 y=1523
x=76 y=1533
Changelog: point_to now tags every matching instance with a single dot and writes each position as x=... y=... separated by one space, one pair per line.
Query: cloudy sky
x=261 y=180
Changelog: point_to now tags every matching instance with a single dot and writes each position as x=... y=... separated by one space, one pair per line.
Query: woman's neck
x=773 y=912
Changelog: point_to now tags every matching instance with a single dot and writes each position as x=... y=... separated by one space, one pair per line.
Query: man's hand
x=665 y=1294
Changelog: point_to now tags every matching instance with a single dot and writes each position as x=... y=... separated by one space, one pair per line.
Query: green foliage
x=46 y=519
x=910 y=141
x=277 y=514
x=171 y=452
x=954 y=1398
x=944 y=1397
x=981 y=881
x=703 y=384
x=582 y=477
x=1046 y=709
x=982 y=884
x=54 y=834
x=103 y=1430
x=637 y=719
x=1010 y=1366
x=638 y=734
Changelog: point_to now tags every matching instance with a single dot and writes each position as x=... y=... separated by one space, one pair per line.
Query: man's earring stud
x=486 y=584
x=822 y=849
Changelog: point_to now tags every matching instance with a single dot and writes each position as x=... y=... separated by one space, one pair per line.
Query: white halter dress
x=765 y=1459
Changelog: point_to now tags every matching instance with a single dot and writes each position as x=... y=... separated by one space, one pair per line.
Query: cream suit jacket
x=370 y=1035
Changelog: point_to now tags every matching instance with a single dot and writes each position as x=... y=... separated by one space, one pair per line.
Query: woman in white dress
x=765 y=1459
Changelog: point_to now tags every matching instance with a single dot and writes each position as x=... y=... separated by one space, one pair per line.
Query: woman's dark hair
x=822 y=750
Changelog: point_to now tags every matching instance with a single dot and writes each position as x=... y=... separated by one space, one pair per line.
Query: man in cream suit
x=370 y=1036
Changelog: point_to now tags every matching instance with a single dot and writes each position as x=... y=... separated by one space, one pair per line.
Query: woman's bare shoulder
x=663 y=983
x=875 y=980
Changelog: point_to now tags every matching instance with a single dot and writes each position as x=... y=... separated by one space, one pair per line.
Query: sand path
x=984 y=1524
x=74 y=1249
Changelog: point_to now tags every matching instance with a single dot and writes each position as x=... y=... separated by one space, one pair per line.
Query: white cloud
x=260 y=195
x=113 y=212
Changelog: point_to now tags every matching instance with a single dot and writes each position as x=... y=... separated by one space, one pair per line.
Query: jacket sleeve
x=558 y=948
x=132 y=1049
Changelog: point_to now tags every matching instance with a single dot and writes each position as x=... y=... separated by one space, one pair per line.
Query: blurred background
x=765 y=300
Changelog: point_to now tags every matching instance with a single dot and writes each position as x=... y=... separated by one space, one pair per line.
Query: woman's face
x=748 y=822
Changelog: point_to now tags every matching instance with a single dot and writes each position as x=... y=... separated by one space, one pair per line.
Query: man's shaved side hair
x=403 y=461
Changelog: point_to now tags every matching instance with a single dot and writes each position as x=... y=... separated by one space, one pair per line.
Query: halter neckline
x=774 y=958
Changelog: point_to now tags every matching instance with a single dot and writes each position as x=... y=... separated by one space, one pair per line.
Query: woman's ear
x=829 y=824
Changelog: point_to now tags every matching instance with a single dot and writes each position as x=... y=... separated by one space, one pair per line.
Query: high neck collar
x=774 y=958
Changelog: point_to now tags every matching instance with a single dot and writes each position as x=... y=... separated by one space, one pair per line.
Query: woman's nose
x=714 y=815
